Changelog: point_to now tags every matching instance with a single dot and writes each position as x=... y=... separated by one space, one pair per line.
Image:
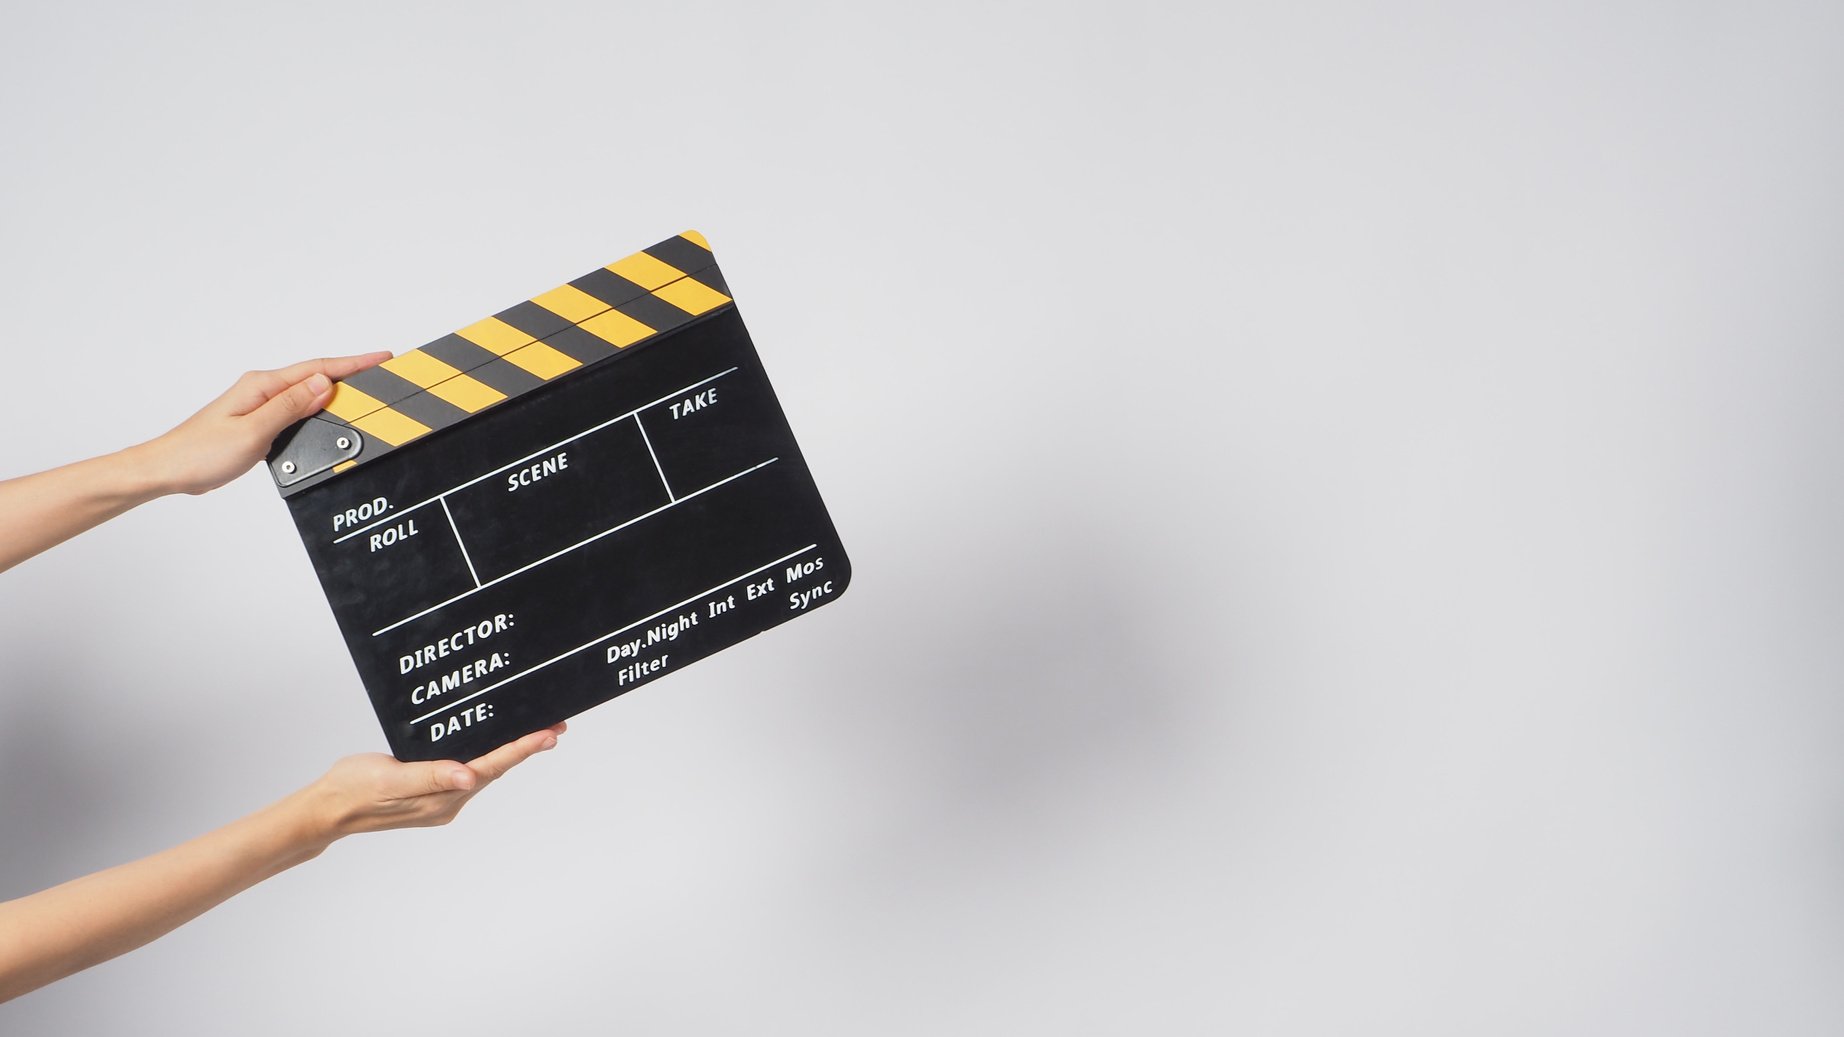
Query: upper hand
x=235 y=431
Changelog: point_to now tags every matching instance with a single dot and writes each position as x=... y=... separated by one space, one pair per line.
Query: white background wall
x=1345 y=501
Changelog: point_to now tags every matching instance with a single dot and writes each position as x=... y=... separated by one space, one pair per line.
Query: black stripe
x=459 y=353
x=533 y=320
x=711 y=278
x=507 y=377
x=683 y=253
x=608 y=286
x=580 y=345
x=429 y=409
x=382 y=385
x=655 y=313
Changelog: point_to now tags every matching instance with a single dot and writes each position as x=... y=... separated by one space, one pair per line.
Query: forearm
x=43 y=510
x=47 y=936
x=205 y=451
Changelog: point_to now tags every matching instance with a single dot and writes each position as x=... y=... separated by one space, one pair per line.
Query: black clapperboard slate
x=583 y=493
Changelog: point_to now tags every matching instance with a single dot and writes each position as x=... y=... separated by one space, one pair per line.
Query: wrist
x=311 y=821
x=143 y=472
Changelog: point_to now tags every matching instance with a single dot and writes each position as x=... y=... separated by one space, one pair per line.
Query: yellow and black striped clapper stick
x=577 y=495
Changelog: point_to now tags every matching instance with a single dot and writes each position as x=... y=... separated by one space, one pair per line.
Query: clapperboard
x=578 y=495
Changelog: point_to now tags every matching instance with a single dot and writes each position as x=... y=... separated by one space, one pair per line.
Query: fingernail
x=462 y=779
x=318 y=384
x=549 y=743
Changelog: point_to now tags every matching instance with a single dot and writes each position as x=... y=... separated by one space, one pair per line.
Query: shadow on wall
x=1048 y=678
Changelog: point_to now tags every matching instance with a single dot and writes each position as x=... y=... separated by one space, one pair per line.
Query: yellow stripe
x=390 y=426
x=444 y=381
x=419 y=367
x=542 y=360
x=571 y=303
x=496 y=335
x=617 y=327
x=467 y=393
x=692 y=297
x=645 y=271
x=348 y=403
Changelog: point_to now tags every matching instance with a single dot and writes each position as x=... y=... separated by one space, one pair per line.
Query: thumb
x=292 y=404
x=425 y=779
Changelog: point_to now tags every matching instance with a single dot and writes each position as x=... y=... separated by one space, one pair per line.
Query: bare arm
x=204 y=452
x=47 y=936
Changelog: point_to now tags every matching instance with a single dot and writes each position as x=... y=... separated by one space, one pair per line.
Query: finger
x=499 y=761
x=427 y=779
x=259 y=387
x=334 y=367
x=510 y=755
x=291 y=405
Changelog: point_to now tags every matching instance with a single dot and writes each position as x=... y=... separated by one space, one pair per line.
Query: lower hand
x=373 y=792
